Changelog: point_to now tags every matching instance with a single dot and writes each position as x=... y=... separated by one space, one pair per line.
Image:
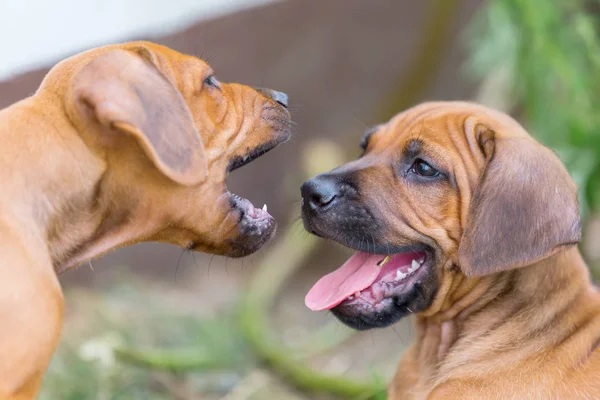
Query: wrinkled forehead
x=183 y=69
x=407 y=132
x=442 y=125
x=191 y=64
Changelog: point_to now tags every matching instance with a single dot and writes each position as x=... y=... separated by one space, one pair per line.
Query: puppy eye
x=422 y=168
x=212 y=82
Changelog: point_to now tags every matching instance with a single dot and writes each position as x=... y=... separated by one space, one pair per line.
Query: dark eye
x=422 y=168
x=211 y=81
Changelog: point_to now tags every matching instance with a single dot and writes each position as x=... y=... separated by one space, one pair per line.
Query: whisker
x=177 y=265
x=227 y=257
x=398 y=334
x=373 y=239
x=194 y=257
x=210 y=263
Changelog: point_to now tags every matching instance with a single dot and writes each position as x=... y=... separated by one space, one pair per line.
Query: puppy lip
x=247 y=209
x=255 y=225
x=240 y=161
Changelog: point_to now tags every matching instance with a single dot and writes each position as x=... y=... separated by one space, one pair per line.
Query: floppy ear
x=127 y=94
x=524 y=209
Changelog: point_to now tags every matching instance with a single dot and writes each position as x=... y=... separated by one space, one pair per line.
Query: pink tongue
x=358 y=273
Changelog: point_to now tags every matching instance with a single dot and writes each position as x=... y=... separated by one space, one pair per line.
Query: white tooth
x=400 y=275
x=264 y=208
x=421 y=260
x=350 y=297
x=415 y=264
x=246 y=158
x=357 y=294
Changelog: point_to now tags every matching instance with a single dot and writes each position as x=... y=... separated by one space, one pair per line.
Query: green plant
x=549 y=54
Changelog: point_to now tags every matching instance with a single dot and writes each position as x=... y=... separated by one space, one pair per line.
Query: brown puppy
x=470 y=224
x=119 y=145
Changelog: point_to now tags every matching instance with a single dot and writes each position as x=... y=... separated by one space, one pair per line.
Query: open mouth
x=256 y=226
x=368 y=279
x=251 y=217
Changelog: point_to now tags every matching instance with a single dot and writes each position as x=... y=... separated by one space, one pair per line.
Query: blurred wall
x=38 y=32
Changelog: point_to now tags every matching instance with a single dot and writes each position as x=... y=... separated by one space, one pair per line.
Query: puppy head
x=441 y=186
x=169 y=133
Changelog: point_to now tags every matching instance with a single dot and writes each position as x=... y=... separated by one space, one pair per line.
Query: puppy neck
x=51 y=178
x=477 y=315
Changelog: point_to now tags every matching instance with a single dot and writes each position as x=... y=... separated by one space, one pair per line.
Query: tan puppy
x=461 y=218
x=119 y=145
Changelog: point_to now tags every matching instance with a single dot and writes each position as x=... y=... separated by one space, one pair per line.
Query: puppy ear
x=126 y=93
x=524 y=209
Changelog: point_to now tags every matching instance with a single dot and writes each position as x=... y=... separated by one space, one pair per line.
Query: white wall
x=37 y=32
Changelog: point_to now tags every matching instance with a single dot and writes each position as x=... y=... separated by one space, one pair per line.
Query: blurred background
x=155 y=322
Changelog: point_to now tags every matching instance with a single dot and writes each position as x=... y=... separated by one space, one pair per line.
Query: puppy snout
x=320 y=193
x=279 y=97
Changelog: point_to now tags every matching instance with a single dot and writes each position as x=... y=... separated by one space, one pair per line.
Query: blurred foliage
x=115 y=328
x=549 y=53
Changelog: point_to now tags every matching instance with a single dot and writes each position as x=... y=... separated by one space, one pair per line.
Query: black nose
x=320 y=192
x=279 y=97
